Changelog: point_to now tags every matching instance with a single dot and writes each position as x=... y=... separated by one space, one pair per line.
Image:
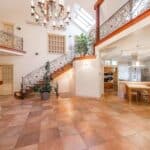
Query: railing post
x=22 y=43
x=97 y=24
x=22 y=84
x=131 y=7
x=97 y=9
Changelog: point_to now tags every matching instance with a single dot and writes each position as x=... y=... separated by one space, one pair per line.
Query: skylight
x=82 y=18
x=139 y=6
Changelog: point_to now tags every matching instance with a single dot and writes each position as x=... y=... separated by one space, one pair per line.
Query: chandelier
x=51 y=13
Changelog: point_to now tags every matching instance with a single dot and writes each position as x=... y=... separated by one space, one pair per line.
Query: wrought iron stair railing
x=11 y=41
x=35 y=76
x=125 y=14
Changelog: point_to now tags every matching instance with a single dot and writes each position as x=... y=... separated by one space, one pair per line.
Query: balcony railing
x=11 y=41
x=125 y=14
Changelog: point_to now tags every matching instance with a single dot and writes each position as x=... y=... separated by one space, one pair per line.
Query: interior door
x=9 y=28
x=6 y=77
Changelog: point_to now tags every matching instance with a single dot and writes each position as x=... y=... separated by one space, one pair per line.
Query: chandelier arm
x=65 y=17
x=50 y=11
x=61 y=11
x=47 y=12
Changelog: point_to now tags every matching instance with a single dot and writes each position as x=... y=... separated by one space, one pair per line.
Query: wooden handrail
x=85 y=57
x=12 y=49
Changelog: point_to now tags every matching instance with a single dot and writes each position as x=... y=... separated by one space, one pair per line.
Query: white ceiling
x=135 y=43
x=22 y=7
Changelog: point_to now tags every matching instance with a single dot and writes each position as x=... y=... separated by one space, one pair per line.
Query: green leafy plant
x=82 y=44
x=56 y=89
x=36 y=88
x=46 y=87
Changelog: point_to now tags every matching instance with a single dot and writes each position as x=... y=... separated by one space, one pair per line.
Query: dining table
x=136 y=87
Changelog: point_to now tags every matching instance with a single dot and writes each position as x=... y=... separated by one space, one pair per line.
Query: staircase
x=57 y=67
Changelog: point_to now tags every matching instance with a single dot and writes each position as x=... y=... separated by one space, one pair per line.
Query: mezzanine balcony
x=10 y=43
x=129 y=14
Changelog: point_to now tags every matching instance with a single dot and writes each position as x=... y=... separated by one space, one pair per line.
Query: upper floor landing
x=10 y=44
x=131 y=13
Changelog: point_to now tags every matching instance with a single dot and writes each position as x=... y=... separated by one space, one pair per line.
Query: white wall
x=85 y=79
x=123 y=71
x=109 y=7
x=87 y=82
x=35 y=40
x=66 y=82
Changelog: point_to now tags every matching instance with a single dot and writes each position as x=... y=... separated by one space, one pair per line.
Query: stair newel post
x=22 y=84
x=22 y=88
x=97 y=24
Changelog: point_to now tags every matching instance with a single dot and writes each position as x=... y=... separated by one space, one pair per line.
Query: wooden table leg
x=130 y=96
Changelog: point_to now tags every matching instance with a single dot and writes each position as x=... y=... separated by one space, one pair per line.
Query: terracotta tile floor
x=74 y=124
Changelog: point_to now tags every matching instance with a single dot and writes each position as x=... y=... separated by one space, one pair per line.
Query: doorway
x=111 y=80
x=6 y=80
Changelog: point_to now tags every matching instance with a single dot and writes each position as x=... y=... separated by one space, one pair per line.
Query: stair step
x=29 y=89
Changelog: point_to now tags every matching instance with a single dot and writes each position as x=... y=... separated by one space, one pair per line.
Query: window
x=111 y=63
x=56 y=43
x=9 y=28
x=83 y=19
x=139 y=6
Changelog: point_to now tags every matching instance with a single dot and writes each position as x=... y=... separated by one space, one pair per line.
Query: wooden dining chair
x=126 y=92
x=145 y=95
x=135 y=94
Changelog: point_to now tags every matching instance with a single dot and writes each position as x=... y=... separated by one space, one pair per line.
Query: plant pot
x=45 y=95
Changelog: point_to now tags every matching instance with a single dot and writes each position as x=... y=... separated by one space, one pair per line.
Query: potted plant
x=45 y=89
x=56 y=89
x=82 y=44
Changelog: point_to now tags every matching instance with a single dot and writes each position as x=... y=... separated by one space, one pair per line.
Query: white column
x=87 y=78
x=101 y=72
